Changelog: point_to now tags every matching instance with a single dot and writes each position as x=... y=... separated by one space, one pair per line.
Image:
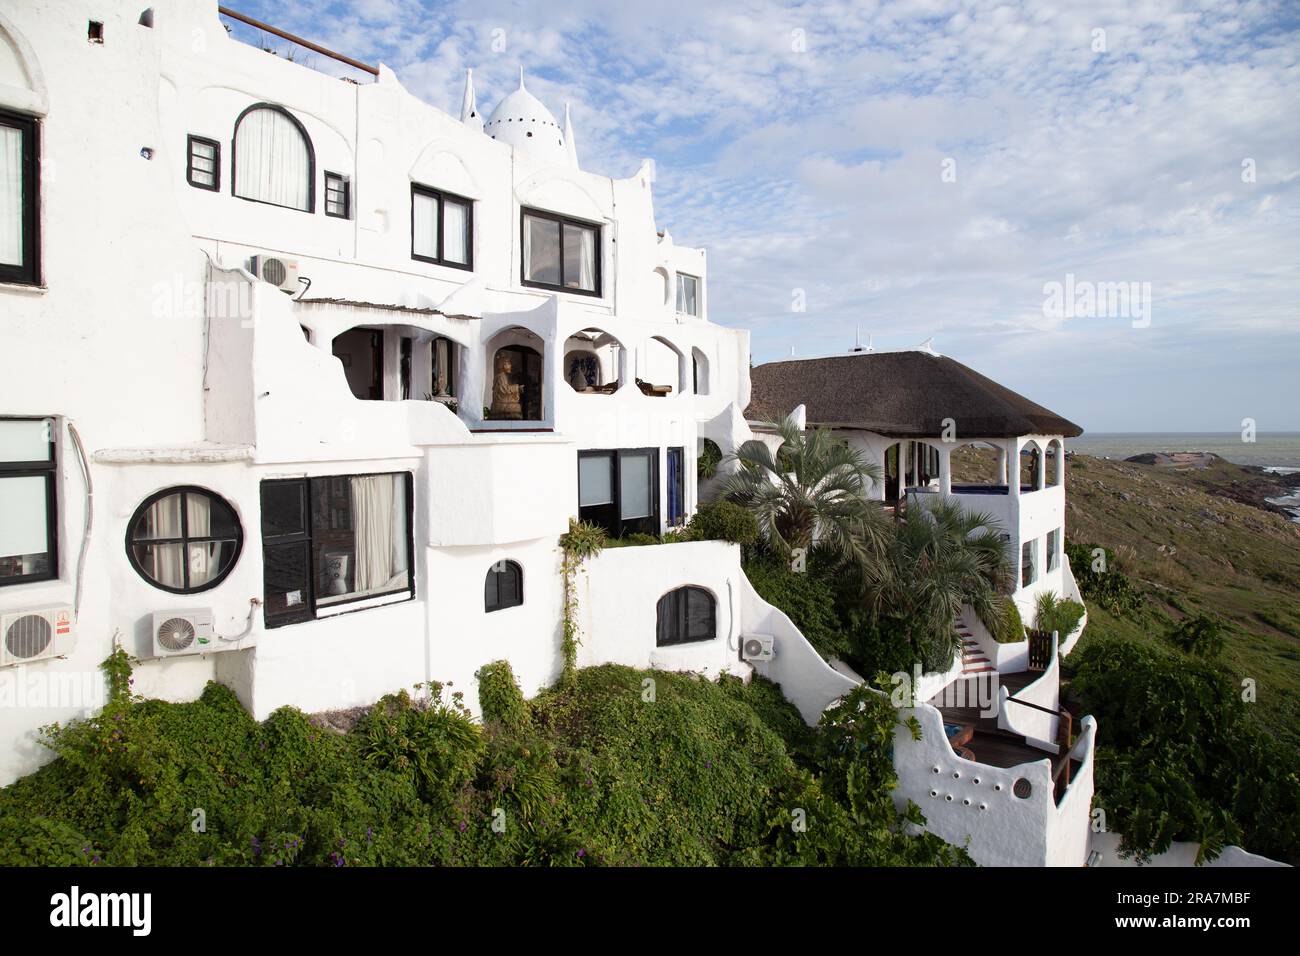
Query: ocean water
x=1268 y=450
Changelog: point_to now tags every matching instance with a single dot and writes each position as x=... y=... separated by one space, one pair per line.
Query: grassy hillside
x=1192 y=542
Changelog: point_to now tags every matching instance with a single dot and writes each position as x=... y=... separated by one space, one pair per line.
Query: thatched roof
x=903 y=394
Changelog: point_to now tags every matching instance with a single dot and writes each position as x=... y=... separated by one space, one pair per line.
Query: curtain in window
x=424 y=229
x=587 y=262
x=11 y=196
x=454 y=248
x=373 y=517
x=272 y=160
x=441 y=356
x=166 y=561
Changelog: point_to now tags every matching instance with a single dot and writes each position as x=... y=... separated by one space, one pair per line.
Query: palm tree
x=814 y=491
x=941 y=558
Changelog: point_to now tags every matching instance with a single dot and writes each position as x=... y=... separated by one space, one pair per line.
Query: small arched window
x=273 y=159
x=504 y=586
x=685 y=616
x=184 y=539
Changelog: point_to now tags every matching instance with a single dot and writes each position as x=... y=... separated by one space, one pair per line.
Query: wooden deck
x=989 y=745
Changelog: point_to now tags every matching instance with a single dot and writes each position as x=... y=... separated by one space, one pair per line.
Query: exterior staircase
x=973 y=658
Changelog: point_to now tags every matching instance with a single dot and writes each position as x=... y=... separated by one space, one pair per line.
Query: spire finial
x=468 y=107
x=570 y=145
x=521 y=76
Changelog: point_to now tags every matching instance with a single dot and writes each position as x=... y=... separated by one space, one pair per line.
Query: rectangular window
x=338 y=195
x=688 y=294
x=560 y=253
x=619 y=490
x=28 y=512
x=204 y=168
x=676 y=486
x=442 y=228
x=1028 y=564
x=1053 y=549
x=19 y=200
x=333 y=541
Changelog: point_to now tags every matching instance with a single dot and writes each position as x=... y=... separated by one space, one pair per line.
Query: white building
x=319 y=373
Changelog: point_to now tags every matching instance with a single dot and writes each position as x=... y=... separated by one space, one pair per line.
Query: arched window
x=184 y=539
x=504 y=586
x=686 y=616
x=274 y=161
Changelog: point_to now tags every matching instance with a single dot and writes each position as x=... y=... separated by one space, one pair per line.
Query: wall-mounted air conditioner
x=280 y=272
x=185 y=632
x=35 y=635
x=757 y=647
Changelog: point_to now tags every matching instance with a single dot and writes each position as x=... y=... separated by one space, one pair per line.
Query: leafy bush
x=617 y=766
x=499 y=697
x=1002 y=620
x=1178 y=758
x=808 y=598
x=1199 y=635
x=706 y=465
x=1054 y=614
x=724 y=521
x=1109 y=588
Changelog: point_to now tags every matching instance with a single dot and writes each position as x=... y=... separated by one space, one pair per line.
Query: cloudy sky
x=928 y=169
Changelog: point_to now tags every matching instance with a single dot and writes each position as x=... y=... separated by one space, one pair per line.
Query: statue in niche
x=506 y=392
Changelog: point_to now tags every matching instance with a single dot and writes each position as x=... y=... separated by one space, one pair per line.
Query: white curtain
x=441 y=357
x=11 y=196
x=424 y=228
x=453 y=233
x=379 y=526
x=166 y=561
x=205 y=556
x=272 y=160
x=587 y=264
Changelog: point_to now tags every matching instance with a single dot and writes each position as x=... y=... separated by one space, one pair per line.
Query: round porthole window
x=184 y=539
x=1022 y=788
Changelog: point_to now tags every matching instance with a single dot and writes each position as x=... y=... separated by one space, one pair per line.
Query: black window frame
x=453 y=362
x=672 y=611
x=680 y=452
x=185 y=539
x=35 y=469
x=524 y=213
x=28 y=272
x=302 y=540
x=345 y=189
x=608 y=516
x=442 y=197
x=311 y=160
x=190 y=140
x=494 y=574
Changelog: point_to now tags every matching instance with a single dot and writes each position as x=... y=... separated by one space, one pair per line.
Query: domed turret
x=522 y=121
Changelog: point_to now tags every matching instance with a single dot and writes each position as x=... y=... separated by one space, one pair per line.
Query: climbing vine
x=582 y=541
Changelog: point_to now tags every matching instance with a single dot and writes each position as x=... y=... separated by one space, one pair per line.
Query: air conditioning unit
x=757 y=647
x=279 y=272
x=185 y=632
x=35 y=635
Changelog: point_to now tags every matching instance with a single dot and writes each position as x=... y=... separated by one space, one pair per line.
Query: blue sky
x=924 y=169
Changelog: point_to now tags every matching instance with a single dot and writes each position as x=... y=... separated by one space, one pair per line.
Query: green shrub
x=724 y=521
x=1003 y=621
x=808 y=598
x=1055 y=614
x=1199 y=635
x=1110 y=588
x=1178 y=757
x=499 y=696
x=616 y=766
x=706 y=465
